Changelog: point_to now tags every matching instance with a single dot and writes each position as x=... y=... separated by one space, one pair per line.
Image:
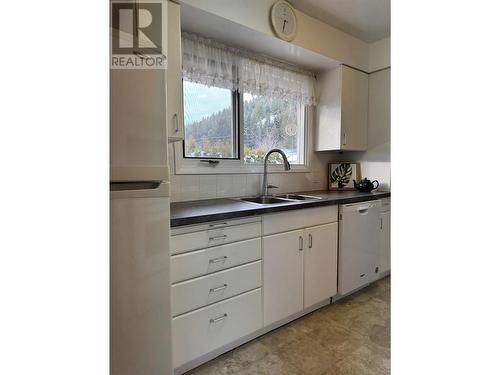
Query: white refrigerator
x=140 y=318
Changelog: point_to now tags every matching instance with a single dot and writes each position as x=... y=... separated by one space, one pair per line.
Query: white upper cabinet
x=342 y=112
x=175 y=111
x=320 y=263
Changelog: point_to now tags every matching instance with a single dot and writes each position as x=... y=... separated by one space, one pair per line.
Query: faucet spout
x=286 y=166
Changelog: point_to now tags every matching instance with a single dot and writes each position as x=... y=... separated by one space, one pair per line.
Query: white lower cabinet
x=199 y=332
x=229 y=282
x=283 y=281
x=216 y=279
x=300 y=270
x=216 y=236
x=384 y=259
x=320 y=263
x=197 y=263
x=202 y=291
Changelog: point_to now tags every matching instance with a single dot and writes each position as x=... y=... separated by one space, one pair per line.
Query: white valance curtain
x=214 y=64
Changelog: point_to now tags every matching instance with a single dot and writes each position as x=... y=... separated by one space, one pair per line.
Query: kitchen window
x=270 y=122
x=210 y=122
x=237 y=107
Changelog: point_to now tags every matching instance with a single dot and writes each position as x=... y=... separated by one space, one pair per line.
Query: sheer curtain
x=214 y=64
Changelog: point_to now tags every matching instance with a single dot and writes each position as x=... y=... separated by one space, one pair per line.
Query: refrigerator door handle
x=139 y=189
x=134 y=185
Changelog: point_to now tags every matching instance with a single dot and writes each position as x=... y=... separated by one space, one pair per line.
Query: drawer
x=205 y=261
x=201 y=331
x=202 y=291
x=302 y=218
x=214 y=237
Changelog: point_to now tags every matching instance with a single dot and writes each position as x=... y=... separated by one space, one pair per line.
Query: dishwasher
x=359 y=244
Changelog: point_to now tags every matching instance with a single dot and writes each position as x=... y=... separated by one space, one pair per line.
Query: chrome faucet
x=286 y=164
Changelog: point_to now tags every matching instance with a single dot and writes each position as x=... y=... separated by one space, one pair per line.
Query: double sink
x=279 y=199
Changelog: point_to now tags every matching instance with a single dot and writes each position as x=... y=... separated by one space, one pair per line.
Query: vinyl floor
x=350 y=336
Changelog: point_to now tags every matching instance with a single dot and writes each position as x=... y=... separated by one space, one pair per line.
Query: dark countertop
x=195 y=212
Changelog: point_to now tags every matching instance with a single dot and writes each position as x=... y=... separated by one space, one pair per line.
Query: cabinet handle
x=217 y=260
x=345 y=139
x=222 y=287
x=176 y=119
x=218 y=225
x=217 y=237
x=381 y=221
x=310 y=241
x=301 y=243
x=216 y=320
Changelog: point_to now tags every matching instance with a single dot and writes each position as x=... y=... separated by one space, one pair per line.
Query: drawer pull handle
x=222 y=287
x=217 y=260
x=217 y=225
x=217 y=237
x=216 y=320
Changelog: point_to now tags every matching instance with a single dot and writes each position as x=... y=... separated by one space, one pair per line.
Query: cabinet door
x=385 y=242
x=320 y=263
x=283 y=275
x=174 y=75
x=327 y=130
x=354 y=109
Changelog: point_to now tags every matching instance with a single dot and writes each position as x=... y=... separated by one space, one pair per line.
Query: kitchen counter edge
x=248 y=209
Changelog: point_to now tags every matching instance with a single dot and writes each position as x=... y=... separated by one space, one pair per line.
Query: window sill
x=184 y=166
x=223 y=168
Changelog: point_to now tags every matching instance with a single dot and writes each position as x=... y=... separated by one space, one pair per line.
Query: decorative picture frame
x=341 y=175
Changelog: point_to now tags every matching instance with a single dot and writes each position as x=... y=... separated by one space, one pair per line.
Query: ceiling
x=368 y=20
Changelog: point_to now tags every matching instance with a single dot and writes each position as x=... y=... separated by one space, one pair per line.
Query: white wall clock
x=284 y=20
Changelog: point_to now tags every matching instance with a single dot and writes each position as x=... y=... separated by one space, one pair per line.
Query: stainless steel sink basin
x=298 y=197
x=279 y=199
x=265 y=200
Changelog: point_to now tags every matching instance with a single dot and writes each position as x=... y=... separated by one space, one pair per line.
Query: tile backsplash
x=195 y=187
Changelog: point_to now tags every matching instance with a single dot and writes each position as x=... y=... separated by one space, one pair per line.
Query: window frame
x=193 y=165
x=235 y=99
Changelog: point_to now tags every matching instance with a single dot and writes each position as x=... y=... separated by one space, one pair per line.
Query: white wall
x=376 y=161
x=328 y=41
x=379 y=54
x=312 y=34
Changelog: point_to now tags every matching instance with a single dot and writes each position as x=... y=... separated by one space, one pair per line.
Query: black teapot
x=365 y=185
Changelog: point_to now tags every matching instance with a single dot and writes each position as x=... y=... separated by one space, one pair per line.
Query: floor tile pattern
x=349 y=337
